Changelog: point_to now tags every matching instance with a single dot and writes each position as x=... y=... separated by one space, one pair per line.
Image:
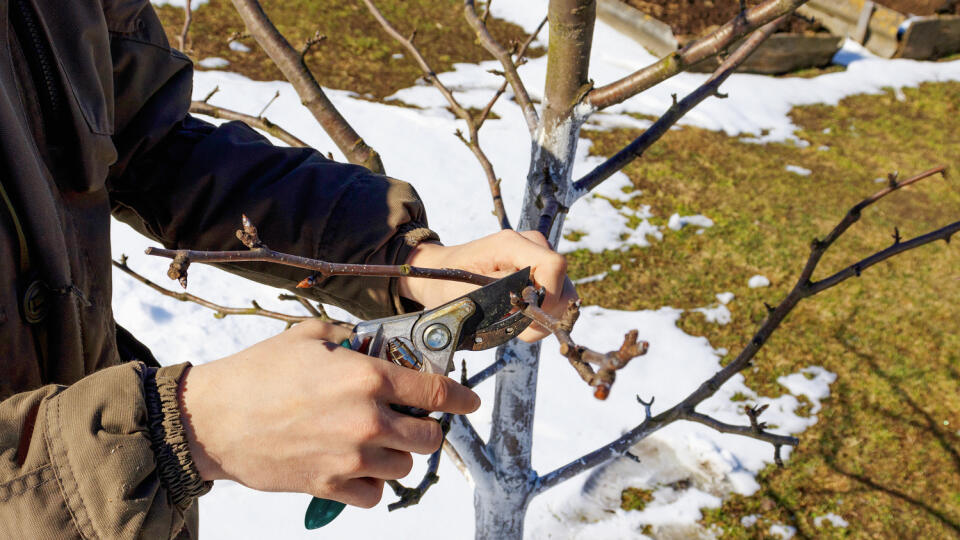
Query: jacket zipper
x=37 y=49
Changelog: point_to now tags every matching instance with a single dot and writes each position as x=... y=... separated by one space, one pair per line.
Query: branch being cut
x=581 y=358
x=259 y=252
x=295 y=70
x=472 y=124
x=411 y=496
x=506 y=60
x=260 y=122
x=676 y=111
x=701 y=49
x=804 y=288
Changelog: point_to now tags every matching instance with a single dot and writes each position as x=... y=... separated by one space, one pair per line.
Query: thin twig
x=679 y=108
x=482 y=117
x=259 y=122
x=804 y=288
x=472 y=125
x=701 y=49
x=411 y=496
x=185 y=31
x=509 y=67
x=219 y=311
x=269 y=103
x=259 y=252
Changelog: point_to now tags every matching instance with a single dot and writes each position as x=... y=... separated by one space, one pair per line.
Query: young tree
x=500 y=466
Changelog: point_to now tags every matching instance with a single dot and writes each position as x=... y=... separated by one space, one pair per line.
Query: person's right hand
x=299 y=413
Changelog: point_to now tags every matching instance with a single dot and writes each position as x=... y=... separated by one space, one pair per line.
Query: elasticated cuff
x=413 y=234
x=168 y=440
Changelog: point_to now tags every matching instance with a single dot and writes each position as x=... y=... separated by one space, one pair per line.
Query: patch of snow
x=590 y=279
x=831 y=518
x=796 y=169
x=826 y=131
x=213 y=62
x=749 y=521
x=239 y=47
x=725 y=297
x=783 y=531
x=719 y=314
x=823 y=148
x=396 y=56
x=678 y=222
x=758 y=281
x=615 y=267
x=813 y=382
x=879 y=180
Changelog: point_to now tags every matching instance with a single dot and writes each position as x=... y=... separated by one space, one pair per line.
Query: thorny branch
x=676 y=111
x=472 y=124
x=259 y=252
x=506 y=60
x=701 y=49
x=804 y=288
x=581 y=358
x=295 y=70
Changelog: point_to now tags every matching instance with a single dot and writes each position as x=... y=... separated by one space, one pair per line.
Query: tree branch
x=469 y=447
x=259 y=252
x=294 y=69
x=579 y=356
x=185 y=31
x=411 y=496
x=503 y=86
x=676 y=111
x=259 y=122
x=701 y=49
x=219 y=311
x=472 y=125
x=509 y=67
x=686 y=409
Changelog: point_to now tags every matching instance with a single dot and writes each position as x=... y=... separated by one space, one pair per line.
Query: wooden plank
x=931 y=37
x=841 y=18
x=863 y=22
x=655 y=36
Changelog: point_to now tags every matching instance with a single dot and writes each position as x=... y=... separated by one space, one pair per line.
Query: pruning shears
x=426 y=341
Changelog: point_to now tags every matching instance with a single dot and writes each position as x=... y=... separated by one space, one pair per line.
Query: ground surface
x=356 y=54
x=923 y=7
x=885 y=453
x=690 y=19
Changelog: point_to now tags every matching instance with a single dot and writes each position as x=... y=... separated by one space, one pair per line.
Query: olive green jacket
x=93 y=121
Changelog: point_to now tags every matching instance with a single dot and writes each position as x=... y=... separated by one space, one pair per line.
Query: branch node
x=892 y=179
x=770 y=309
x=248 y=235
x=896 y=236
x=178 y=269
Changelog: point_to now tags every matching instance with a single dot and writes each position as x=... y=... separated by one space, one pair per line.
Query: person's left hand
x=497 y=255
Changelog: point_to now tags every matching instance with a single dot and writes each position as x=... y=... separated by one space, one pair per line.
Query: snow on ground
x=757 y=281
x=686 y=466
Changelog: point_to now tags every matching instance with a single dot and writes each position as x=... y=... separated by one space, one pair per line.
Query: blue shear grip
x=322 y=511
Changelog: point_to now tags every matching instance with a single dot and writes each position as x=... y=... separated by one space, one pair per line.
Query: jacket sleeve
x=186 y=183
x=117 y=419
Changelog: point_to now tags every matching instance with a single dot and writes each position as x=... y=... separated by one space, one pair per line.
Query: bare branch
x=503 y=87
x=210 y=94
x=259 y=122
x=652 y=134
x=258 y=252
x=219 y=311
x=294 y=69
x=412 y=496
x=509 y=67
x=720 y=39
x=685 y=410
x=185 y=31
x=486 y=373
x=468 y=445
x=581 y=358
x=472 y=125
x=269 y=103
x=309 y=43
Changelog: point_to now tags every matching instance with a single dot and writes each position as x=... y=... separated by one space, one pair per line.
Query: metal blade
x=493 y=306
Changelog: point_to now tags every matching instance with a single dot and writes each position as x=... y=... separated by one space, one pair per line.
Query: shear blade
x=493 y=307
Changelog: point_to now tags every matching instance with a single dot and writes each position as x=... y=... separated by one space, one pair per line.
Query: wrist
x=190 y=397
x=424 y=255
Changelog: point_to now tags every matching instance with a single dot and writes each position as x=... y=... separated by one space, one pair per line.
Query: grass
x=885 y=453
x=356 y=54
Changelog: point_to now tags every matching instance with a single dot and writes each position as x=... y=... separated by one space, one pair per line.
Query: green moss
x=635 y=498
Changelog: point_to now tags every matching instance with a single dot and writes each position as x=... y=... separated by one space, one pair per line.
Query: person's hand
x=496 y=255
x=299 y=413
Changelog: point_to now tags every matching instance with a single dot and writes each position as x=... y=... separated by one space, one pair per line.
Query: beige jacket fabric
x=93 y=121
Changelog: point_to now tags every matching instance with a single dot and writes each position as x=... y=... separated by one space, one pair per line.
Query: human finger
x=429 y=391
x=360 y=492
x=317 y=329
x=412 y=434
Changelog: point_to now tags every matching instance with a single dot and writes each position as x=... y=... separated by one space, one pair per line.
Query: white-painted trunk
x=502 y=496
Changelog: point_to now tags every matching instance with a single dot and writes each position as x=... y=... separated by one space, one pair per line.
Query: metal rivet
x=436 y=337
x=478 y=339
x=510 y=330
